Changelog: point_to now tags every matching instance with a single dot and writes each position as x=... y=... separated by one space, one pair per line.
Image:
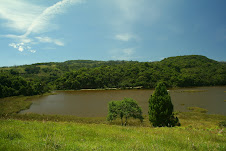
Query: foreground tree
x=124 y=109
x=161 y=108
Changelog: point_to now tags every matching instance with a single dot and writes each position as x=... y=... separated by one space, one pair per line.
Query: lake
x=94 y=103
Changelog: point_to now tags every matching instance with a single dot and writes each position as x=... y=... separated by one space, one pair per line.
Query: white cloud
x=49 y=13
x=22 y=47
x=32 y=51
x=19 y=14
x=58 y=42
x=13 y=45
x=25 y=17
x=125 y=37
x=50 y=40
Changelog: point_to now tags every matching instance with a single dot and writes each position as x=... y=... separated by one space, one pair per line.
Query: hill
x=179 y=71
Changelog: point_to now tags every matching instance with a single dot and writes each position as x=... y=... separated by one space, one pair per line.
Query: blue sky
x=34 y=31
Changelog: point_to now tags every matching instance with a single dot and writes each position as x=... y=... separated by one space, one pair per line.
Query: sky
x=33 y=31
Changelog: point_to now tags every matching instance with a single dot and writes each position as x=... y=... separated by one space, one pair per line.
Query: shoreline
x=141 y=88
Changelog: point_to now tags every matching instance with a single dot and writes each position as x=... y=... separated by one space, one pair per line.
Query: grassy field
x=36 y=135
x=198 y=131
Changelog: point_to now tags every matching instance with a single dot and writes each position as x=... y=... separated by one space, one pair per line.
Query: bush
x=161 y=108
x=124 y=109
x=222 y=123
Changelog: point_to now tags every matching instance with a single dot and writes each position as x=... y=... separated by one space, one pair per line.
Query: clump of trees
x=161 y=108
x=14 y=85
x=32 y=69
x=124 y=109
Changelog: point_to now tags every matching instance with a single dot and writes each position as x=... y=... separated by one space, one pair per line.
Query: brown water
x=94 y=103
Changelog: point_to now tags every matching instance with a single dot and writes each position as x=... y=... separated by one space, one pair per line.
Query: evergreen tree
x=161 y=108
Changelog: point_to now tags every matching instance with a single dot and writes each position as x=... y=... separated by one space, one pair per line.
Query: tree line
x=180 y=71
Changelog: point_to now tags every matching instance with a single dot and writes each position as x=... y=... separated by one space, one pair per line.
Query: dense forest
x=180 y=71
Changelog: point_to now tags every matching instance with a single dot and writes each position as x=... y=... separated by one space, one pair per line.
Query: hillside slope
x=179 y=71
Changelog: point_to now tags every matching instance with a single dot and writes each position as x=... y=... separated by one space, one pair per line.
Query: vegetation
x=13 y=105
x=42 y=135
x=198 y=131
x=124 y=109
x=13 y=85
x=161 y=108
x=180 y=71
x=222 y=123
x=198 y=109
x=193 y=91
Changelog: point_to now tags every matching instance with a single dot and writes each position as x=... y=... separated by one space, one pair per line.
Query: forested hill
x=179 y=71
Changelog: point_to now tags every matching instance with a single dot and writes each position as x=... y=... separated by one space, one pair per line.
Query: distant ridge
x=178 y=71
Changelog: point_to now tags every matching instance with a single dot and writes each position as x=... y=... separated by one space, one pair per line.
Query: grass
x=193 y=91
x=198 y=131
x=36 y=135
x=12 y=105
x=198 y=109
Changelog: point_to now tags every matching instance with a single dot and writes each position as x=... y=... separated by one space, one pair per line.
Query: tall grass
x=37 y=135
x=12 y=105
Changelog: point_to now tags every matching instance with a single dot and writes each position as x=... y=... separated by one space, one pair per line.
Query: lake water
x=94 y=103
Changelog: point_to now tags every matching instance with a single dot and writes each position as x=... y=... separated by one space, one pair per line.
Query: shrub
x=124 y=109
x=222 y=123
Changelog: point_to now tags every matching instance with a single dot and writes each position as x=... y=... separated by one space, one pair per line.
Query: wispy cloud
x=19 y=14
x=130 y=9
x=125 y=37
x=50 y=40
x=128 y=13
x=50 y=12
x=25 y=17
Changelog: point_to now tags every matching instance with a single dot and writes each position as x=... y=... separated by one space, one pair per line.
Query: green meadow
x=37 y=135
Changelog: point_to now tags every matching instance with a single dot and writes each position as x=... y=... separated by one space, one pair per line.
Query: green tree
x=32 y=69
x=124 y=109
x=161 y=108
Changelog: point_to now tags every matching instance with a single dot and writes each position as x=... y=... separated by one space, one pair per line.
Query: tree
x=124 y=109
x=32 y=69
x=161 y=108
